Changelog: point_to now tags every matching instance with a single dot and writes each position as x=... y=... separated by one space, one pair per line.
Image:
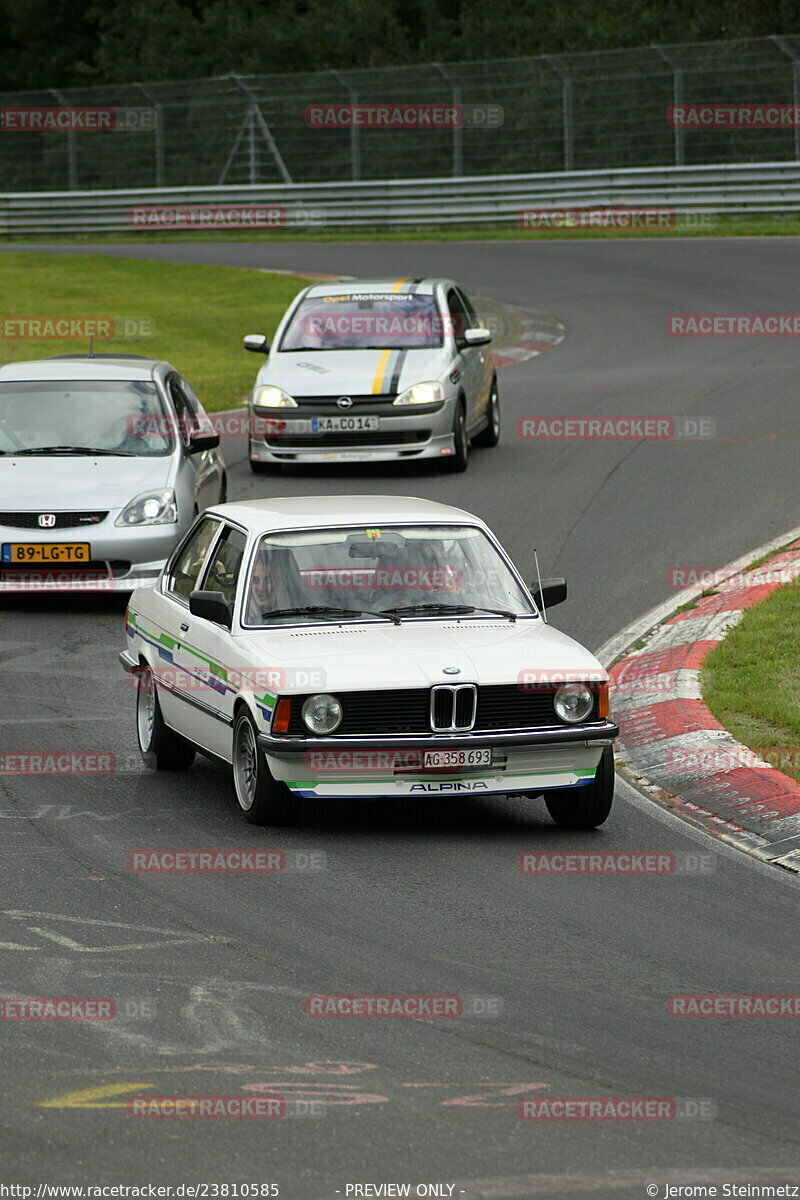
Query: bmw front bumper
x=523 y=762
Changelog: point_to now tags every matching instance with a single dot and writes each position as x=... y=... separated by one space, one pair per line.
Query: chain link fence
x=566 y=112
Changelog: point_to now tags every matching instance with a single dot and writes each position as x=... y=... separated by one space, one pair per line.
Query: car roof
x=344 y=287
x=293 y=512
x=81 y=366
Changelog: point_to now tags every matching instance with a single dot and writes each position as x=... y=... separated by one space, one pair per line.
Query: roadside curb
x=670 y=742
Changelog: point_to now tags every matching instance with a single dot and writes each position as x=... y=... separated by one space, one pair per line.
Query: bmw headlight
x=150 y=508
x=273 y=397
x=322 y=714
x=573 y=702
x=422 y=393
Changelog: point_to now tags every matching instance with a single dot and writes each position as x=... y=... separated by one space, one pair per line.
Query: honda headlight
x=422 y=393
x=573 y=702
x=273 y=397
x=322 y=714
x=150 y=508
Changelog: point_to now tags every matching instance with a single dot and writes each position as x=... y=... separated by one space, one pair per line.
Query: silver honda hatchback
x=374 y=370
x=104 y=463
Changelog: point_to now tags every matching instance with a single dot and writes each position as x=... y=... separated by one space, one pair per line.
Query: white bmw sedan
x=365 y=646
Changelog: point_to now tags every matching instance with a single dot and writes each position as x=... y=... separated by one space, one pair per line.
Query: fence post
x=677 y=98
x=567 y=121
x=355 y=130
x=72 y=149
x=458 y=141
x=782 y=44
x=255 y=115
x=251 y=144
x=158 y=142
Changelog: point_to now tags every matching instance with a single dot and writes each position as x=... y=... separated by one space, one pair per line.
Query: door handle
x=185 y=627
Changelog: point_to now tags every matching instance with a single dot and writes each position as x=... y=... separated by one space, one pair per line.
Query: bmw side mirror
x=256 y=342
x=211 y=606
x=552 y=592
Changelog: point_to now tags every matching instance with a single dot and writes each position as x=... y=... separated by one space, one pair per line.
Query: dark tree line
x=68 y=43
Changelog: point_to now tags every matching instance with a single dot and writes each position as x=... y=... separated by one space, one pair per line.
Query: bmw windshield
x=405 y=571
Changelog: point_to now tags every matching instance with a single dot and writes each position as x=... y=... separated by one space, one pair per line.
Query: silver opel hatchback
x=104 y=463
x=374 y=370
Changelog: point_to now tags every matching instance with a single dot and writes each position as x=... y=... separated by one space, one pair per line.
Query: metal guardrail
x=738 y=188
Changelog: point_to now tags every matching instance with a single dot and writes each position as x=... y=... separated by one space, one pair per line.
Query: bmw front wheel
x=262 y=799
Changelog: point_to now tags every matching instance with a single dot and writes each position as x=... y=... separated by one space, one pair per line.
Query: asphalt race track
x=213 y=970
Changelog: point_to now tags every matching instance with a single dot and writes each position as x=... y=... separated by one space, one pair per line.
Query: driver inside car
x=275 y=583
x=416 y=573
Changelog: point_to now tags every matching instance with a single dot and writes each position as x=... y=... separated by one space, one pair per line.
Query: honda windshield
x=120 y=416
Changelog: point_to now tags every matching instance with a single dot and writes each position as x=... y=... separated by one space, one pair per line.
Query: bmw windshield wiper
x=72 y=450
x=329 y=611
x=456 y=609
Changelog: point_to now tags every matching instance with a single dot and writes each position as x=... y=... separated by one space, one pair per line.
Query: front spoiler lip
x=281 y=747
x=439 y=445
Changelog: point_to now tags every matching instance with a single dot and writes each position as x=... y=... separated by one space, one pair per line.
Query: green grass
x=751 y=680
x=746 y=226
x=690 y=604
x=199 y=314
x=757 y=562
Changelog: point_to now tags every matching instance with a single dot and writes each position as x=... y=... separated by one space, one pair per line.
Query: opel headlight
x=273 y=397
x=422 y=393
x=573 y=702
x=322 y=714
x=150 y=508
